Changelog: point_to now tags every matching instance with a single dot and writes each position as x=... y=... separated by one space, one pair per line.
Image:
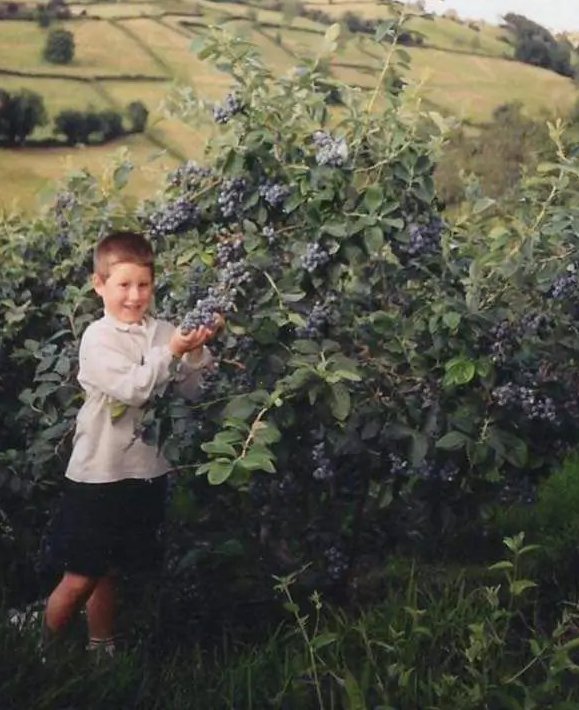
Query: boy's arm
x=105 y=366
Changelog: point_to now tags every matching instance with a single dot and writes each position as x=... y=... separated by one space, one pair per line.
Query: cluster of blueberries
x=274 y=193
x=269 y=233
x=427 y=470
x=176 y=216
x=231 y=106
x=189 y=175
x=315 y=257
x=323 y=471
x=423 y=238
x=337 y=562
x=564 y=286
x=203 y=314
x=330 y=151
x=229 y=250
x=319 y=318
x=231 y=196
x=534 y=405
x=231 y=274
x=506 y=335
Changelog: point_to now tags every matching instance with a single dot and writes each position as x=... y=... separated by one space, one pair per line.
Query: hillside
x=136 y=50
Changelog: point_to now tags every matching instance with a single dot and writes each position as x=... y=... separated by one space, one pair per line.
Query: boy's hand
x=181 y=344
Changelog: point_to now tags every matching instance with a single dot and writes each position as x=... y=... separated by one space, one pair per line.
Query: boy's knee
x=78 y=585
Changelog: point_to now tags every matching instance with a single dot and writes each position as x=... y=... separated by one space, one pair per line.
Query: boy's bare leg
x=101 y=609
x=67 y=598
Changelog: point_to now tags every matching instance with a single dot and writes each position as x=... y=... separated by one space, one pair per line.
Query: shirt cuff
x=197 y=359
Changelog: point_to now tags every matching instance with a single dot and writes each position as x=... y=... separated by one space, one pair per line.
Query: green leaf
x=384 y=29
x=571 y=645
x=239 y=408
x=257 y=459
x=508 y=446
x=121 y=174
x=323 y=640
x=292 y=297
x=267 y=433
x=459 y=371
x=219 y=447
x=335 y=229
x=521 y=585
x=347 y=375
x=373 y=239
x=451 y=320
x=503 y=565
x=373 y=197
x=483 y=204
x=219 y=471
x=452 y=441
x=354 y=692
x=117 y=409
x=340 y=401
x=333 y=32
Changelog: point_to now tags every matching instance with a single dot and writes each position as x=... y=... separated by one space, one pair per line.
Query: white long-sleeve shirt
x=124 y=364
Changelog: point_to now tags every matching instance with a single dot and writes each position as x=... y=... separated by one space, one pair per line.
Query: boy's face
x=127 y=291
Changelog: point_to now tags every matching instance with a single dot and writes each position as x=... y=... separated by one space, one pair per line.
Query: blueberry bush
x=386 y=372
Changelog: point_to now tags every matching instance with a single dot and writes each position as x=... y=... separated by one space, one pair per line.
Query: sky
x=558 y=15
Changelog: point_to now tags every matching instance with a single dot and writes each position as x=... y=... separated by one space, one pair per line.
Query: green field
x=440 y=32
x=460 y=71
x=101 y=49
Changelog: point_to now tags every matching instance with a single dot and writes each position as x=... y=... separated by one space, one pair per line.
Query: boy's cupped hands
x=194 y=339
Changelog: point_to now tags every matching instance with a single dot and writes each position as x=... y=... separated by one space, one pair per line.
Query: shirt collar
x=127 y=327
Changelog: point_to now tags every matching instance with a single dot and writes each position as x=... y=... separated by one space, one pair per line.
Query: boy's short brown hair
x=122 y=247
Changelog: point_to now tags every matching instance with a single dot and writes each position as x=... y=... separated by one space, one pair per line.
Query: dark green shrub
x=20 y=114
x=138 y=115
x=59 y=48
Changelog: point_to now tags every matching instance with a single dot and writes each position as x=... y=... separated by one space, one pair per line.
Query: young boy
x=115 y=484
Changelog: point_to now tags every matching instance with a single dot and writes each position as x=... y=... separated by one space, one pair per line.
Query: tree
x=74 y=125
x=79 y=126
x=138 y=115
x=111 y=124
x=59 y=48
x=20 y=114
x=536 y=45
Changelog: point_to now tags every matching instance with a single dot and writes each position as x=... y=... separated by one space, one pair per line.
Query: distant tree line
x=23 y=111
x=44 y=13
x=495 y=159
x=536 y=45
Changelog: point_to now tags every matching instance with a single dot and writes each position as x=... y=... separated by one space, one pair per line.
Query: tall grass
x=436 y=642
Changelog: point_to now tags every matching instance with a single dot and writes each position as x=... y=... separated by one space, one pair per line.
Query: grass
x=101 y=49
x=175 y=134
x=29 y=175
x=58 y=94
x=117 y=9
x=175 y=51
x=440 y=32
x=274 y=55
x=472 y=87
x=438 y=638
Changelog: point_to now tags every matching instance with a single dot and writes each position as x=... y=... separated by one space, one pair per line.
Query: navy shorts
x=104 y=528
